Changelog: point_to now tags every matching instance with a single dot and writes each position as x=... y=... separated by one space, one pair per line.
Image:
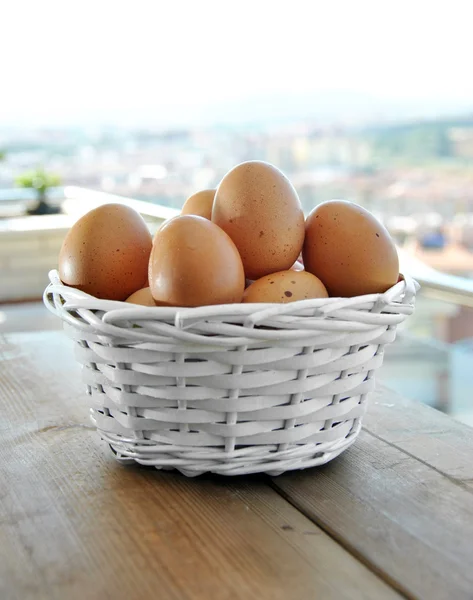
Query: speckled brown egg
x=349 y=250
x=199 y=204
x=285 y=286
x=195 y=263
x=259 y=209
x=142 y=297
x=106 y=253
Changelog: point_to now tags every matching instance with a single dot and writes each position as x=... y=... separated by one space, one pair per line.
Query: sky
x=175 y=61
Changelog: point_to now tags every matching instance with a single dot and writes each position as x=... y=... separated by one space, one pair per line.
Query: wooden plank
x=75 y=524
x=402 y=517
x=425 y=433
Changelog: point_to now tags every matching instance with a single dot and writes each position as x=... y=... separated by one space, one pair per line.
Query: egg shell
x=106 y=252
x=259 y=209
x=195 y=263
x=199 y=204
x=142 y=297
x=284 y=287
x=349 y=250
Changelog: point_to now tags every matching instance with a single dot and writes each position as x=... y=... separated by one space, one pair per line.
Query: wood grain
x=75 y=524
x=403 y=518
x=423 y=432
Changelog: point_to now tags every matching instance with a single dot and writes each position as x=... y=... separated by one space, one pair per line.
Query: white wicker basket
x=230 y=389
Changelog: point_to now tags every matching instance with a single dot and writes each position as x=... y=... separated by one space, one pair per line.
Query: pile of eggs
x=246 y=241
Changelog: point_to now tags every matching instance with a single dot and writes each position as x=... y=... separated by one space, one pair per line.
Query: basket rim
x=402 y=292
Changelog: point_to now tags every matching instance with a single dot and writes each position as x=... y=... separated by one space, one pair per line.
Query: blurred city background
x=155 y=101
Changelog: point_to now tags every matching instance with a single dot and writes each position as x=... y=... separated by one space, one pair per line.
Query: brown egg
x=349 y=250
x=142 y=297
x=285 y=286
x=260 y=210
x=199 y=204
x=106 y=252
x=195 y=263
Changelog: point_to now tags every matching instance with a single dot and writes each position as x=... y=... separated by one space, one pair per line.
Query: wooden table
x=390 y=518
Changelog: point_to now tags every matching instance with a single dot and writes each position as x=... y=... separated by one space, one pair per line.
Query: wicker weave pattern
x=230 y=389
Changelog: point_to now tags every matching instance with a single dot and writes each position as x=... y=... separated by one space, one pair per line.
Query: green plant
x=41 y=181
